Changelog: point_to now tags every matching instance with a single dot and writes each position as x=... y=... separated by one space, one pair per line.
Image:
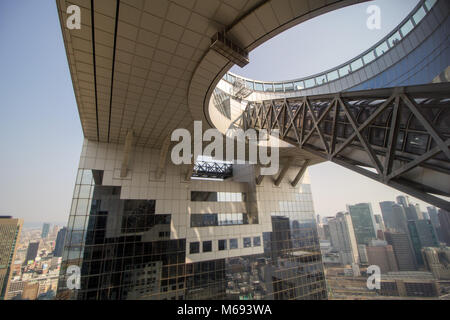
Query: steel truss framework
x=216 y=170
x=398 y=136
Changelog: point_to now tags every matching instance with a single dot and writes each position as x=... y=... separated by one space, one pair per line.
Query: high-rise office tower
x=403 y=251
x=422 y=235
x=381 y=254
x=59 y=244
x=388 y=213
x=9 y=235
x=363 y=222
x=444 y=222
x=434 y=218
x=32 y=251
x=45 y=230
x=379 y=222
x=343 y=238
x=184 y=230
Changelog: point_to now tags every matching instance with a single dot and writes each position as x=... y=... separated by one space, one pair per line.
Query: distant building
x=394 y=216
x=434 y=218
x=362 y=252
x=422 y=235
x=363 y=222
x=381 y=254
x=437 y=260
x=387 y=213
x=409 y=284
x=9 y=235
x=45 y=230
x=379 y=222
x=403 y=250
x=343 y=238
x=444 y=221
x=32 y=251
x=30 y=291
x=59 y=245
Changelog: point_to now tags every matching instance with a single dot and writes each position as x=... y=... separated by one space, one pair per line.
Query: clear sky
x=40 y=129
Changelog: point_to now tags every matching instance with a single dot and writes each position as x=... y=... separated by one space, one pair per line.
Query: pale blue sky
x=40 y=128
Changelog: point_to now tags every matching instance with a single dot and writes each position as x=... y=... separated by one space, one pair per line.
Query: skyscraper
x=32 y=251
x=363 y=222
x=381 y=254
x=59 y=245
x=387 y=213
x=9 y=235
x=45 y=230
x=444 y=221
x=343 y=238
x=422 y=235
x=403 y=250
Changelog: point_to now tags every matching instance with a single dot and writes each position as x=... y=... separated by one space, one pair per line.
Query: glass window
x=82 y=206
x=382 y=49
x=394 y=39
x=87 y=177
x=333 y=75
x=247 y=242
x=231 y=78
x=249 y=85
x=369 y=57
x=256 y=241
x=222 y=245
x=430 y=3
x=299 y=85
x=233 y=243
x=345 y=70
x=418 y=16
x=310 y=83
x=207 y=246
x=357 y=64
x=194 y=247
x=289 y=86
x=268 y=87
x=278 y=87
x=85 y=191
x=321 y=79
x=258 y=86
x=406 y=28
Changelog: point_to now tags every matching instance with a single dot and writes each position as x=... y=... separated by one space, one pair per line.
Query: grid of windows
x=218 y=219
x=207 y=196
x=106 y=240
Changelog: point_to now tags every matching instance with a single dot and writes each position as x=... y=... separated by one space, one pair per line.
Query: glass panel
x=357 y=64
x=194 y=247
x=82 y=206
x=256 y=241
x=310 y=83
x=430 y=3
x=231 y=78
x=247 y=242
x=207 y=246
x=222 y=245
x=418 y=16
x=333 y=75
x=87 y=177
x=382 y=49
x=321 y=79
x=299 y=85
x=345 y=70
x=258 y=86
x=288 y=86
x=394 y=39
x=233 y=243
x=249 y=85
x=278 y=87
x=85 y=191
x=406 y=28
x=369 y=57
x=268 y=87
